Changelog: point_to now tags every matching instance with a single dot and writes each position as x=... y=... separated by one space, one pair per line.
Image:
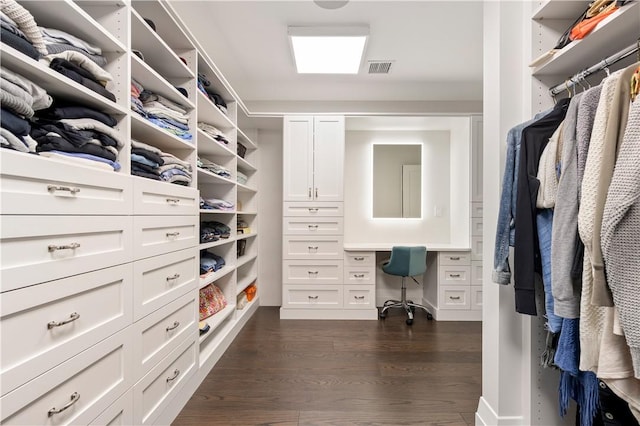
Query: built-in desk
x=452 y=288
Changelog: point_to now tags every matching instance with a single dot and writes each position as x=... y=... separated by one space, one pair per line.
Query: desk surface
x=388 y=246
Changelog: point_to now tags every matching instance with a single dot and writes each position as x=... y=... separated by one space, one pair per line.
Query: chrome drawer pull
x=174 y=277
x=313 y=210
x=454 y=275
x=176 y=373
x=358 y=297
x=71 y=189
x=313 y=226
x=454 y=257
x=172 y=234
x=71 y=246
x=309 y=192
x=173 y=200
x=454 y=297
x=316 y=192
x=358 y=275
x=74 y=398
x=74 y=316
x=359 y=259
x=175 y=325
x=313 y=272
x=313 y=248
x=313 y=297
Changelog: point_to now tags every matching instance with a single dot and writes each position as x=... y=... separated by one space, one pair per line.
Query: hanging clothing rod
x=561 y=87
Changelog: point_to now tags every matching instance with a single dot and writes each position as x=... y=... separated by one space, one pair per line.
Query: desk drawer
x=359 y=276
x=359 y=297
x=312 y=247
x=316 y=297
x=454 y=275
x=313 y=226
x=454 y=258
x=94 y=306
x=162 y=198
x=36 y=185
x=44 y=248
x=312 y=209
x=163 y=382
x=315 y=272
x=359 y=258
x=161 y=279
x=154 y=235
x=454 y=297
x=87 y=384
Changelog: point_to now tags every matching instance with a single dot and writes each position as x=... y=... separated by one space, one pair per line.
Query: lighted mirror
x=397 y=181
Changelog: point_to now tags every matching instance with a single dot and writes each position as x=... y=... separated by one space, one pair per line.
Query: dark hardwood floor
x=343 y=373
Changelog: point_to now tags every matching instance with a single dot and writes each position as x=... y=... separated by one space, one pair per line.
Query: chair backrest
x=407 y=261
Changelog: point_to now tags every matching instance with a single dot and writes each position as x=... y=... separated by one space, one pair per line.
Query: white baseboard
x=329 y=314
x=486 y=416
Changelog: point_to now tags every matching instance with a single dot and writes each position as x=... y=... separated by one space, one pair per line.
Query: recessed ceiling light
x=328 y=50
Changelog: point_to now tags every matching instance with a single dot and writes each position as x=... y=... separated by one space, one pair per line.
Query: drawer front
x=161 y=279
x=44 y=248
x=454 y=258
x=86 y=384
x=476 y=248
x=476 y=297
x=359 y=258
x=312 y=248
x=313 y=226
x=120 y=413
x=454 y=297
x=58 y=319
x=359 y=297
x=476 y=272
x=36 y=185
x=159 y=333
x=317 y=297
x=162 y=198
x=163 y=382
x=312 y=209
x=154 y=235
x=316 y=272
x=354 y=275
x=454 y=275
x=476 y=210
x=476 y=226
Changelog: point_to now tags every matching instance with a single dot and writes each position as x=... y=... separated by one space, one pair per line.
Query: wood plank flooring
x=343 y=373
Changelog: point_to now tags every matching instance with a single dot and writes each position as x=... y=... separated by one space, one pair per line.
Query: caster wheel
x=409 y=321
x=429 y=317
x=382 y=315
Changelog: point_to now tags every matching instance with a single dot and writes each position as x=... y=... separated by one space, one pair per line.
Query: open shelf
x=245 y=165
x=205 y=176
x=221 y=241
x=166 y=25
x=209 y=146
x=246 y=141
x=205 y=211
x=242 y=260
x=244 y=188
x=211 y=114
x=151 y=80
x=215 y=276
x=245 y=236
x=244 y=282
x=147 y=132
x=216 y=319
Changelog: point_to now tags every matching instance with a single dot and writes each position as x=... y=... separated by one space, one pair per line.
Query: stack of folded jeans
x=20 y=31
x=210 y=262
x=216 y=204
x=145 y=160
x=213 y=132
x=213 y=231
x=214 y=168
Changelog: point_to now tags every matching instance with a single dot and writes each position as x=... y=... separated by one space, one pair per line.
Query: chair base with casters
x=405 y=262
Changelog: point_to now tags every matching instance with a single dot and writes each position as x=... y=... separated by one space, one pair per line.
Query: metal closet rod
x=605 y=63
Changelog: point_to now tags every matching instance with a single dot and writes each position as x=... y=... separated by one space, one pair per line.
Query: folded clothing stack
x=217 y=169
x=20 y=98
x=214 y=132
x=210 y=262
x=204 y=85
x=213 y=231
x=215 y=204
x=241 y=177
x=20 y=31
x=150 y=162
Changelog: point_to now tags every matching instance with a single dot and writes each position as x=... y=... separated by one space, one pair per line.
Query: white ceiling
x=436 y=47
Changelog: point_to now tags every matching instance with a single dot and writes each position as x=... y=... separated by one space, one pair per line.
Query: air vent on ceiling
x=380 y=67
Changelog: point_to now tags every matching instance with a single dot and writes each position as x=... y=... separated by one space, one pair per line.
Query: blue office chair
x=406 y=262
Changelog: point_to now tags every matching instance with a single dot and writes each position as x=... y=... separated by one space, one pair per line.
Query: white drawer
x=454 y=258
x=44 y=248
x=313 y=226
x=316 y=297
x=161 y=279
x=359 y=258
x=312 y=209
x=120 y=413
x=454 y=275
x=95 y=378
x=154 y=235
x=37 y=185
x=476 y=297
x=454 y=297
x=476 y=210
x=87 y=308
x=316 y=272
x=476 y=272
x=359 y=297
x=159 y=333
x=329 y=247
x=154 y=390
x=476 y=248
x=358 y=276
x=476 y=226
x=161 y=198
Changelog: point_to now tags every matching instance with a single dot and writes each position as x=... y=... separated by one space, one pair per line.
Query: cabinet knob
x=312 y=209
x=313 y=297
x=454 y=257
x=313 y=248
x=316 y=193
x=313 y=227
x=313 y=272
x=358 y=275
x=358 y=297
x=309 y=192
x=454 y=297
x=454 y=275
x=359 y=259
x=74 y=398
x=74 y=316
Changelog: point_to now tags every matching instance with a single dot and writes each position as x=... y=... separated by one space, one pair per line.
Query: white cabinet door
x=298 y=158
x=328 y=160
